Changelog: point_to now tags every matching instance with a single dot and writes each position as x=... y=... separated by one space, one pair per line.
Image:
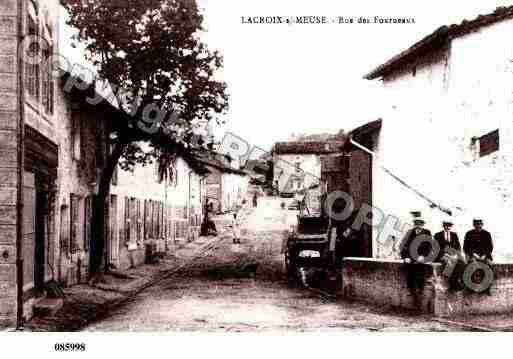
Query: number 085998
x=70 y=347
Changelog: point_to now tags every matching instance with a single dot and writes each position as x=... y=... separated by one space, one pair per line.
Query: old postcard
x=254 y=167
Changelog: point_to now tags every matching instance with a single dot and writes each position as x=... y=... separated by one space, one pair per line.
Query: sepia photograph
x=338 y=170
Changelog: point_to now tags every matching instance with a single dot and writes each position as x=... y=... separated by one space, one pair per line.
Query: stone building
x=447 y=132
x=297 y=164
x=226 y=185
x=143 y=210
x=52 y=145
x=29 y=127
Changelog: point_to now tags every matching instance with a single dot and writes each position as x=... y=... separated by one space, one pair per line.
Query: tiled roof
x=218 y=161
x=308 y=147
x=439 y=38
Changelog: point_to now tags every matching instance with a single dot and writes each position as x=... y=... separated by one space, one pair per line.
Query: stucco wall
x=181 y=198
x=426 y=136
x=284 y=168
x=8 y=189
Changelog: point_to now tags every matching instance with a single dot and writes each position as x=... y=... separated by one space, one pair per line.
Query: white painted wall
x=142 y=183
x=463 y=92
x=234 y=190
x=284 y=167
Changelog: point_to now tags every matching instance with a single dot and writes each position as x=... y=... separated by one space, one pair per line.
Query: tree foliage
x=151 y=52
x=152 y=55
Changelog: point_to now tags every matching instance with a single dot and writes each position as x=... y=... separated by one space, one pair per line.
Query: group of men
x=420 y=247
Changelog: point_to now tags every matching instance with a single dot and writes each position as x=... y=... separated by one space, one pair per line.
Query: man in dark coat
x=424 y=249
x=478 y=247
x=415 y=259
x=478 y=244
x=450 y=255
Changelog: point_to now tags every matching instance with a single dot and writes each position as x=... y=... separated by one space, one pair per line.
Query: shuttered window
x=88 y=213
x=76 y=135
x=489 y=143
x=75 y=223
x=155 y=219
x=146 y=220
x=32 y=67
x=127 y=220
x=139 y=221
x=47 y=80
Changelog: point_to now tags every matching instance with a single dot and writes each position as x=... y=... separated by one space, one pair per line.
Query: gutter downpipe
x=431 y=202
x=20 y=166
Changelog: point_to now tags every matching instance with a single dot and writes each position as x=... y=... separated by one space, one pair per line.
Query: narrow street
x=230 y=287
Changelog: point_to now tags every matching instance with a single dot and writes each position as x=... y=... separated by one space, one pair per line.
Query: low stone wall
x=383 y=282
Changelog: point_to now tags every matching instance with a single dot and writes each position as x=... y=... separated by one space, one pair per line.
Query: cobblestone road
x=242 y=288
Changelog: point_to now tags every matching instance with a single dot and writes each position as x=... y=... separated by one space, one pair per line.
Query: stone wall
x=383 y=282
x=9 y=107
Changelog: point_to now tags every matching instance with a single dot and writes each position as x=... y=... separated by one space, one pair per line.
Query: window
x=88 y=213
x=32 y=69
x=47 y=80
x=65 y=230
x=115 y=174
x=127 y=221
x=75 y=223
x=488 y=143
x=76 y=135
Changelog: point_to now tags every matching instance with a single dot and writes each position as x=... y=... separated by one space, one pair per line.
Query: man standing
x=418 y=234
x=416 y=246
x=450 y=255
x=478 y=243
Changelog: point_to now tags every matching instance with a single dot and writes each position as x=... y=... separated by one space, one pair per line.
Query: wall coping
x=501 y=264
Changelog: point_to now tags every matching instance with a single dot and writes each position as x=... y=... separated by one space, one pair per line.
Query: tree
x=152 y=55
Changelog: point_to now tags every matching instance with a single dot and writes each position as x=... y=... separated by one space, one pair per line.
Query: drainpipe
x=432 y=203
x=20 y=166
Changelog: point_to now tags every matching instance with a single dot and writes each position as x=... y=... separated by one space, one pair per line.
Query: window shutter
x=32 y=70
x=87 y=223
x=155 y=221
x=146 y=220
x=127 y=220
x=74 y=223
x=139 y=221
x=133 y=220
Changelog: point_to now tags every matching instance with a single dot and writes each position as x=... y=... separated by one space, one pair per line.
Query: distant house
x=448 y=131
x=226 y=186
x=142 y=209
x=297 y=164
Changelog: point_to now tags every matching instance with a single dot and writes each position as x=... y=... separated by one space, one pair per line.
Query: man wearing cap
x=450 y=255
x=425 y=247
x=478 y=244
x=414 y=258
x=448 y=241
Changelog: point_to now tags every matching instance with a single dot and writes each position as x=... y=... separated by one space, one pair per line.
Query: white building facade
x=448 y=133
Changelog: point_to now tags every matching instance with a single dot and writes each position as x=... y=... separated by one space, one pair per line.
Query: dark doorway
x=41 y=162
x=41 y=218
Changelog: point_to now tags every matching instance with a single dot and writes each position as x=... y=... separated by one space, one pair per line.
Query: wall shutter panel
x=139 y=221
x=161 y=212
x=87 y=223
x=133 y=220
x=127 y=220
x=74 y=223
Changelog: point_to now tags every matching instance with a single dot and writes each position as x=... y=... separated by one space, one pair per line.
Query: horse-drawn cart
x=308 y=244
